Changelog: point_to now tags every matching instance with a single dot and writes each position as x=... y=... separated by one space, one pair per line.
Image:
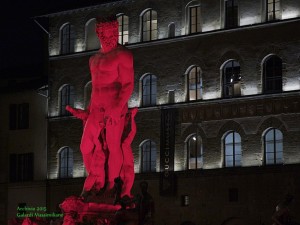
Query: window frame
x=152 y=85
x=268 y=79
x=231 y=18
x=199 y=154
x=273 y=10
x=199 y=85
x=197 y=19
x=69 y=97
x=152 y=149
x=151 y=23
x=234 y=145
x=67 y=39
x=235 y=79
x=65 y=171
x=274 y=143
x=121 y=25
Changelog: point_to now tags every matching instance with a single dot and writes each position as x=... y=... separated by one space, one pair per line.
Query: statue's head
x=107 y=32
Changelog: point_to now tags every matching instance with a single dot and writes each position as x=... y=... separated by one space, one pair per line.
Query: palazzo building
x=217 y=84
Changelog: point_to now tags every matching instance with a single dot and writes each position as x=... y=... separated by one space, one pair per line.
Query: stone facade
x=211 y=117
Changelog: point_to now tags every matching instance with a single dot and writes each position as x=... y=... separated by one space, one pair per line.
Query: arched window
x=149 y=90
x=273 y=10
x=66 y=94
x=194 y=83
x=231 y=13
x=123 y=21
x=194 y=152
x=65 y=163
x=148 y=156
x=67 y=41
x=273 y=147
x=232 y=149
x=149 y=25
x=91 y=39
x=272 y=74
x=194 y=19
x=171 y=30
x=231 y=79
x=87 y=93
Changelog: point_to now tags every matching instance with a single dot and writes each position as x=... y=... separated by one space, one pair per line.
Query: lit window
x=231 y=13
x=195 y=152
x=123 y=29
x=195 y=25
x=149 y=90
x=272 y=74
x=67 y=39
x=273 y=10
x=91 y=40
x=65 y=162
x=149 y=25
x=66 y=98
x=273 y=147
x=194 y=84
x=231 y=79
x=232 y=149
x=148 y=156
x=19 y=116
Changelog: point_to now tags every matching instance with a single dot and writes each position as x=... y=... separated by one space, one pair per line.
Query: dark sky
x=22 y=49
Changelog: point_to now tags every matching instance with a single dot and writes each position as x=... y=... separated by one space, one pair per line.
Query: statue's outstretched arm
x=78 y=113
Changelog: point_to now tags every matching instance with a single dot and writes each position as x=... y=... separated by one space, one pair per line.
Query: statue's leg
x=93 y=155
x=115 y=159
x=127 y=170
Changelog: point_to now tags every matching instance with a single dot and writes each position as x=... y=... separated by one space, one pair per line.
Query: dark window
x=149 y=25
x=232 y=149
x=231 y=79
x=272 y=74
x=66 y=163
x=194 y=84
x=148 y=156
x=231 y=13
x=123 y=29
x=171 y=30
x=21 y=167
x=66 y=98
x=67 y=39
x=273 y=9
x=195 y=152
x=149 y=90
x=19 y=116
x=195 y=25
x=273 y=144
x=233 y=194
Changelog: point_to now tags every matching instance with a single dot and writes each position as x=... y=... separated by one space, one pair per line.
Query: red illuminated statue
x=105 y=145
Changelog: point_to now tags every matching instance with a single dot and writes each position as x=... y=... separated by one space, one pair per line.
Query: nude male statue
x=112 y=84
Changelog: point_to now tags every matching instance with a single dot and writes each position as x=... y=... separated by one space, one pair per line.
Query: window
x=91 y=40
x=231 y=79
x=194 y=22
x=273 y=147
x=231 y=13
x=21 y=167
x=123 y=29
x=273 y=10
x=232 y=149
x=149 y=25
x=171 y=30
x=195 y=152
x=19 y=116
x=272 y=74
x=194 y=84
x=65 y=162
x=148 y=156
x=149 y=90
x=67 y=39
x=66 y=98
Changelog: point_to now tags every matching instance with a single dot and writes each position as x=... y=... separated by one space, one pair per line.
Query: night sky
x=22 y=51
